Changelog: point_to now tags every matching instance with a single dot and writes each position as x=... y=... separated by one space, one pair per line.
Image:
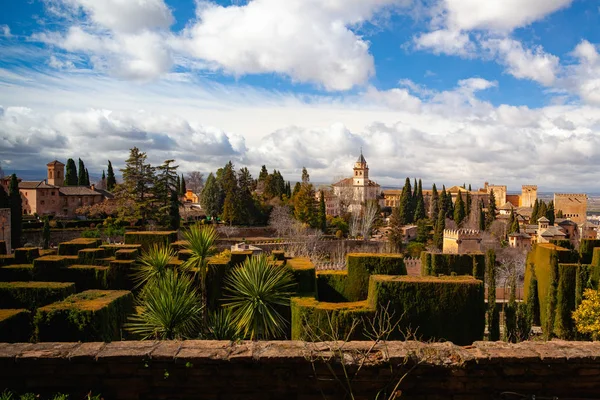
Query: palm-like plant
x=152 y=264
x=220 y=326
x=255 y=290
x=200 y=241
x=170 y=308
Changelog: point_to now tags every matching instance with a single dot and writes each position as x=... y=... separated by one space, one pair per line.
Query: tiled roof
x=520 y=234
x=507 y=206
x=55 y=162
x=35 y=185
x=78 y=191
x=105 y=193
x=552 y=231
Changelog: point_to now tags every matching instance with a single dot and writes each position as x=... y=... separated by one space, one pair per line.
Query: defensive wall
x=299 y=370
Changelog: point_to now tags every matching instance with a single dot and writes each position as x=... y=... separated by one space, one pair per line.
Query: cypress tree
x=543 y=210
x=210 y=198
x=493 y=316
x=174 y=217
x=415 y=198
x=81 y=175
x=71 y=173
x=535 y=212
x=322 y=213
x=183 y=187
x=4 y=199
x=442 y=203
x=262 y=176
x=87 y=178
x=469 y=187
x=104 y=178
x=46 y=233
x=288 y=190
x=178 y=185
x=510 y=313
x=550 y=212
x=551 y=299
x=296 y=189
x=405 y=210
x=434 y=205
x=16 y=212
x=438 y=234
x=481 y=219
x=420 y=205
x=468 y=204
x=111 y=181
x=533 y=302
x=459 y=209
x=449 y=206
x=491 y=211
x=513 y=223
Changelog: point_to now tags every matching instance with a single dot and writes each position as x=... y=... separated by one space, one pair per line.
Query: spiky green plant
x=170 y=308
x=200 y=241
x=254 y=291
x=152 y=264
x=6 y=395
x=220 y=326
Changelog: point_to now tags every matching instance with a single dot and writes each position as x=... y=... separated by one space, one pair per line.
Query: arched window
x=50 y=174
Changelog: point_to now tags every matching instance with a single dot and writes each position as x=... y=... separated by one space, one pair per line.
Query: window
x=42 y=202
x=50 y=174
x=51 y=193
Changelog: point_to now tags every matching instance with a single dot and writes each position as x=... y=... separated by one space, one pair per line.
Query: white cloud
x=5 y=30
x=584 y=76
x=444 y=41
x=504 y=15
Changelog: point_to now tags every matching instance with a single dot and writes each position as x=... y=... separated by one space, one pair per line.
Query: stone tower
x=361 y=171
x=56 y=173
x=528 y=195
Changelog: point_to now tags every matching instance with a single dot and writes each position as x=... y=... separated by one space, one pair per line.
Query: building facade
x=351 y=194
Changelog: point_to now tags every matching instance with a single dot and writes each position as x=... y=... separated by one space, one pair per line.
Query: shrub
x=331 y=286
x=93 y=315
x=26 y=255
x=434 y=264
x=16 y=273
x=72 y=247
x=48 y=267
x=586 y=250
x=15 y=325
x=587 y=315
x=90 y=256
x=31 y=295
x=363 y=265
x=147 y=239
x=87 y=277
x=303 y=271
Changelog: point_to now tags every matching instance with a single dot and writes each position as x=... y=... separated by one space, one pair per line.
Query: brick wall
x=282 y=370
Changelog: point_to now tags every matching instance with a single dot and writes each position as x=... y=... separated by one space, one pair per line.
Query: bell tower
x=56 y=173
x=361 y=171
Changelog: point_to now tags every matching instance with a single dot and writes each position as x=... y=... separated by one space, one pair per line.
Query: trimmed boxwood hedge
x=120 y=274
x=48 y=267
x=436 y=308
x=93 y=315
x=331 y=286
x=31 y=295
x=565 y=301
x=313 y=320
x=7 y=259
x=26 y=255
x=147 y=239
x=88 y=277
x=304 y=274
x=435 y=264
x=71 y=248
x=127 y=254
x=15 y=325
x=278 y=255
x=215 y=278
x=90 y=256
x=238 y=257
x=14 y=273
x=110 y=250
x=362 y=265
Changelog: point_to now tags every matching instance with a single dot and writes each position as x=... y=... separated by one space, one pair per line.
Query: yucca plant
x=170 y=308
x=200 y=241
x=254 y=291
x=220 y=326
x=152 y=264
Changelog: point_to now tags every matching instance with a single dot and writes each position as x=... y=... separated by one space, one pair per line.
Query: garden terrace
x=147 y=239
x=26 y=255
x=71 y=248
x=31 y=295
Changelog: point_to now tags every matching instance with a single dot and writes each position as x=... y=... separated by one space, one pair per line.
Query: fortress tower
x=528 y=195
x=56 y=173
x=572 y=205
x=460 y=241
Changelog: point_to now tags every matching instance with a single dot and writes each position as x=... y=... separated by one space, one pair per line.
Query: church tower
x=361 y=171
x=56 y=173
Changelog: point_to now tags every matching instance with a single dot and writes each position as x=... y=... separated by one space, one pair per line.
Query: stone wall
x=284 y=370
x=573 y=206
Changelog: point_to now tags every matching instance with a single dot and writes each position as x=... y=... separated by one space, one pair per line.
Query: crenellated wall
x=299 y=371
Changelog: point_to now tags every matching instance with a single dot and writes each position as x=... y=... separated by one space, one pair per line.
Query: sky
x=449 y=91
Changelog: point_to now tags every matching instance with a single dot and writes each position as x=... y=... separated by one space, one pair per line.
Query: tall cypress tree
x=182 y=186
x=87 y=178
x=178 y=185
x=533 y=302
x=210 y=198
x=16 y=212
x=491 y=211
x=71 y=173
x=493 y=315
x=481 y=217
x=535 y=212
x=449 y=206
x=111 y=181
x=550 y=212
x=174 y=217
x=543 y=210
x=4 y=199
x=406 y=212
x=81 y=175
x=459 y=209
x=322 y=213
x=434 y=204
x=438 y=234
x=442 y=203
x=468 y=204
x=46 y=233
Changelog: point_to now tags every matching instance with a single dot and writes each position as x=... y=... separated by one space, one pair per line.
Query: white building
x=351 y=194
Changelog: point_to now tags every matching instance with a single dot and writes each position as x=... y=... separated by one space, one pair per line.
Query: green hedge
x=90 y=316
x=331 y=286
x=215 y=278
x=564 y=243
x=304 y=274
x=110 y=250
x=147 y=239
x=15 y=325
x=586 y=250
x=48 y=267
x=87 y=277
x=435 y=264
x=120 y=274
x=26 y=255
x=127 y=254
x=16 y=273
x=7 y=259
x=362 y=265
x=313 y=320
x=90 y=256
x=238 y=257
x=72 y=247
x=31 y=295
x=435 y=308
x=184 y=255
x=278 y=255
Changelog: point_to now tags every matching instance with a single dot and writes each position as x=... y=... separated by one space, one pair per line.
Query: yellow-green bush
x=362 y=265
x=304 y=274
x=93 y=315
x=31 y=295
x=587 y=315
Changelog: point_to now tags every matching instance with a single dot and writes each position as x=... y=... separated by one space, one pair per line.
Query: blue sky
x=450 y=91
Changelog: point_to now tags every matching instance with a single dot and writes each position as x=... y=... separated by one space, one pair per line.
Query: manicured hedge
x=93 y=315
x=15 y=325
x=147 y=239
x=435 y=308
x=87 y=277
x=31 y=295
x=564 y=243
x=48 y=267
x=127 y=254
x=304 y=274
x=26 y=255
x=90 y=256
x=7 y=259
x=362 y=265
x=72 y=247
x=435 y=264
x=313 y=320
x=278 y=255
x=331 y=286
x=15 y=273
x=586 y=250
x=110 y=250
x=238 y=257
x=215 y=279
x=120 y=274
x=184 y=255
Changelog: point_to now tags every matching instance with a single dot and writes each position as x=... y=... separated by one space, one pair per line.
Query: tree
x=434 y=204
x=71 y=173
x=210 y=199
x=305 y=176
x=46 y=233
x=468 y=204
x=587 y=315
x=232 y=209
x=370 y=212
x=304 y=205
x=182 y=187
x=406 y=212
x=543 y=210
x=262 y=176
x=200 y=241
x=438 y=234
x=493 y=315
x=174 y=217
x=491 y=211
x=533 y=302
x=165 y=183
x=255 y=293
x=419 y=204
x=459 y=209
x=396 y=236
x=87 y=177
x=448 y=206
x=111 y=181
x=510 y=313
x=16 y=212
x=550 y=212
x=422 y=231
x=195 y=181
x=81 y=176
x=249 y=212
x=442 y=203
x=513 y=223
x=559 y=214
x=481 y=217
x=134 y=194
x=322 y=212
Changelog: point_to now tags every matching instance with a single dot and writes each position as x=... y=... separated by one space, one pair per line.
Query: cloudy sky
x=450 y=91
